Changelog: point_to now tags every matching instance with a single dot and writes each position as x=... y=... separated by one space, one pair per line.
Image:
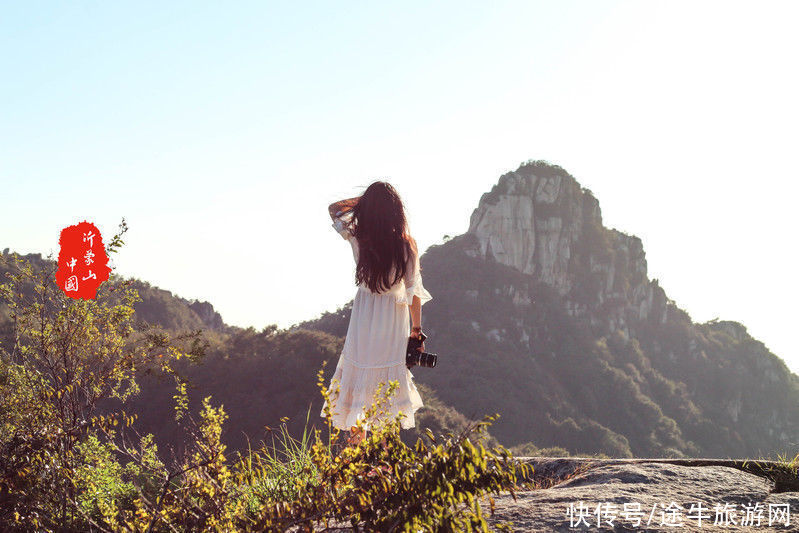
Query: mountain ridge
x=538 y=299
x=554 y=325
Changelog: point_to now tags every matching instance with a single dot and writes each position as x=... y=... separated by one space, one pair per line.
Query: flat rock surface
x=645 y=495
x=587 y=494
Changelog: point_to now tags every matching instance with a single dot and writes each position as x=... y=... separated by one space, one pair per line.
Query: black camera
x=414 y=357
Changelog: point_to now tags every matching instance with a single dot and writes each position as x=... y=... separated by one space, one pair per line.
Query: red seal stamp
x=82 y=261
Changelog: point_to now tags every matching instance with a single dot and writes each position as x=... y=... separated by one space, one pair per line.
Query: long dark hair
x=384 y=242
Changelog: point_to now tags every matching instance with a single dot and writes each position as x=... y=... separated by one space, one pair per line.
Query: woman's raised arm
x=342 y=205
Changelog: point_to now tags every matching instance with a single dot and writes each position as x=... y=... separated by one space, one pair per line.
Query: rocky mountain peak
x=530 y=218
x=539 y=220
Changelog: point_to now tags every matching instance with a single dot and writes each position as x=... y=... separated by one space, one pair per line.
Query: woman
x=389 y=280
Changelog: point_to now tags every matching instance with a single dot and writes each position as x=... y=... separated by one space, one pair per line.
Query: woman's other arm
x=416 y=312
x=416 y=302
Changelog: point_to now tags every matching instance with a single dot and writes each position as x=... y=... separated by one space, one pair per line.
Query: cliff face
x=545 y=225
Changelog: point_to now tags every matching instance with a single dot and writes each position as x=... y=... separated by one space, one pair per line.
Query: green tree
x=68 y=355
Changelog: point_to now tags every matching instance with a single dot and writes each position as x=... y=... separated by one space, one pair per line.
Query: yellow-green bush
x=65 y=467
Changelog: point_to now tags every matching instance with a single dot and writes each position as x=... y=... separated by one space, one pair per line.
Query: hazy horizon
x=221 y=134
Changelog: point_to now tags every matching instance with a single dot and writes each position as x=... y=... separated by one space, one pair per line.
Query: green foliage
x=103 y=486
x=380 y=484
x=528 y=449
x=65 y=465
x=62 y=358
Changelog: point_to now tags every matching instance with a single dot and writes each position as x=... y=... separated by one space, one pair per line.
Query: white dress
x=374 y=349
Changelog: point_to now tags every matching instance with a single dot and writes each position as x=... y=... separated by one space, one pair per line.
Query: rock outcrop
x=581 y=494
x=210 y=317
x=543 y=223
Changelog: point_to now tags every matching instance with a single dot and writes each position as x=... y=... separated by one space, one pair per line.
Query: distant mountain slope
x=258 y=376
x=546 y=316
x=158 y=306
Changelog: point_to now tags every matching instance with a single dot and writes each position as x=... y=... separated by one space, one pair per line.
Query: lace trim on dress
x=357 y=389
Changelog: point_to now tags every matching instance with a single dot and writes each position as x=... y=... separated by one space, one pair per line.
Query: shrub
x=65 y=468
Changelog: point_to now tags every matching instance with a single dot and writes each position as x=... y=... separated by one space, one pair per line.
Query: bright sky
x=221 y=132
